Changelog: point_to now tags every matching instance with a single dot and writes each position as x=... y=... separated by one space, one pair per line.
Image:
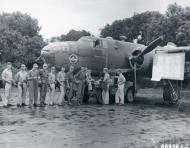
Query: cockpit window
x=97 y=43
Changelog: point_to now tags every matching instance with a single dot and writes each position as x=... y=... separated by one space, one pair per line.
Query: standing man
x=33 y=78
x=21 y=78
x=80 y=78
x=105 y=92
x=61 y=78
x=89 y=80
x=119 y=96
x=71 y=81
x=52 y=86
x=44 y=84
x=7 y=77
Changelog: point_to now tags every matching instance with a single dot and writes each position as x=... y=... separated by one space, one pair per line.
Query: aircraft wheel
x=99 y=96
x=130 y=96
x=86 y=95
x=169 y=95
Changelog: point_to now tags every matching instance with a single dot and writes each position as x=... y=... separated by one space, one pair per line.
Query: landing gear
x=86 y=95
x=171 y=92
x=130 y=95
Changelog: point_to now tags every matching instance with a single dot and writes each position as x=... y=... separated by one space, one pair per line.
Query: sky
x=57 y=17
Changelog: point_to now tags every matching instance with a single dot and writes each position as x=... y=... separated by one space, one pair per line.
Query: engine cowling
x=136 y=59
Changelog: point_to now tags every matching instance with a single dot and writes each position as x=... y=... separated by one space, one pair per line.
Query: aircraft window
x=97 y=43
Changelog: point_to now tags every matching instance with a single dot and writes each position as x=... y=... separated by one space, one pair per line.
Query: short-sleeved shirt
x=121 y=79
x=51 y=78
x=61 y=76
x=7 y=75
x=44 y=75
x=88 y=77
x=106 y=78
x=21 y=76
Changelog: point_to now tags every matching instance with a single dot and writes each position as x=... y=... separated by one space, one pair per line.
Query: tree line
x=21 y=42
x=174 y=25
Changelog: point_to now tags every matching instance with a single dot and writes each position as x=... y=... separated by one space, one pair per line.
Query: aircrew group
x=70 y=83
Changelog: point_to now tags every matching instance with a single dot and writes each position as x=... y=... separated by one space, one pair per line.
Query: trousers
x=105 y=95
x=62 y=94
x=21 y=93
x=33 y=92
x=6 y=99
x=80 y=91
x=71 y=91
x=119 y=96
x=52 y=94
x=43 y=92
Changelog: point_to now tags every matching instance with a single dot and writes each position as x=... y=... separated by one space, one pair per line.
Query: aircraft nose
x=48 y=55
x=45 y=53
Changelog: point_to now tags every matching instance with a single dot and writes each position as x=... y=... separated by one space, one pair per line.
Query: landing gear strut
x=130 y=95
x=171 y=92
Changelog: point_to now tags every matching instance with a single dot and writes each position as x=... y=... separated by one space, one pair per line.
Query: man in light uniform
x=52 y=79
x=89 y=79
x=21 y=78
x=44 y=84
x=119 y=96
x=33 y=79
x=80 y=78
x=7 y=77
x=61 y=78
x=105 y=92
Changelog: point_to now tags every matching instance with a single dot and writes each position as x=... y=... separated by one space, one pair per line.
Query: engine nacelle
x=135 y=59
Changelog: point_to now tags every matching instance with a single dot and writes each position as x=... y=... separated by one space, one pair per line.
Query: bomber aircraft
x=135 y=60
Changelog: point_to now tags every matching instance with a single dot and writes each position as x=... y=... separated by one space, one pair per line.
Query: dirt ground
x=145 y=123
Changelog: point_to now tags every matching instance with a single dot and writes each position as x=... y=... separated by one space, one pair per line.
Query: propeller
x=151 y=46
x=137 y=60
x=40 y=58
x=140 y=56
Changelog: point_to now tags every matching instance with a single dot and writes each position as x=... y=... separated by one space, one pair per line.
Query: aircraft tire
x=130 y=96
x=99 y=96
x=169 y=95
x=86 y=95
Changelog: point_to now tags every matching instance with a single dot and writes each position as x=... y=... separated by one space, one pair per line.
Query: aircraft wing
x=123 y=70
x=172 y=49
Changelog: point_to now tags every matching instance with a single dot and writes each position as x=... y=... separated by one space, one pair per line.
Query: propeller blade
x=151 y=46
x=38 y=58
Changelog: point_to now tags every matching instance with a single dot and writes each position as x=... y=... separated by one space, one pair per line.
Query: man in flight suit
x=105 y=92
x=44 y=83
x=80 y=78
x=21 y=78
x=71 y=81
x=33 y=78
x=61 y=78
